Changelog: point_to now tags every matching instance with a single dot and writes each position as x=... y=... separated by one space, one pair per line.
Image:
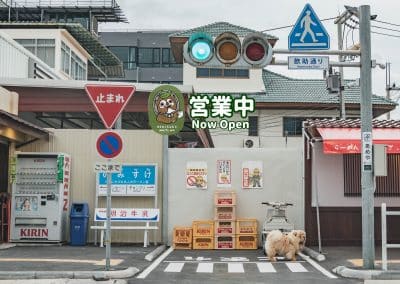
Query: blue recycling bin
x=79 y=216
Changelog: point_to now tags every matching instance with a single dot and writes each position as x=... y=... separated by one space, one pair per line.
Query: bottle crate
x=225 y=242
x=246 y=242
x=203 y=242
x=224 y=198
x=227 y=213
x=246 y=226
x=224 y=227
x=203 y=228
x=182 y=235
x=182 y=246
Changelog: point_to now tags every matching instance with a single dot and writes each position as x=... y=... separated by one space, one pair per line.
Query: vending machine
x=40 y=196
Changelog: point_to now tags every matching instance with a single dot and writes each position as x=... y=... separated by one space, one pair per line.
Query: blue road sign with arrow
x=308 y=33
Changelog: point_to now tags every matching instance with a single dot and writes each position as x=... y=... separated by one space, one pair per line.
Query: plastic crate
x=182 y=246
x=203 y=228
x=225 y=242
x=227 y=213
x=246 y=242
x=246 y=226
x=203 y=242
x=224 y=227
x=182 y=235
x=224 y=198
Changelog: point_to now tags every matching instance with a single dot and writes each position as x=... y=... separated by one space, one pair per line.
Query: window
x=253 y=125
x=71 y=64
x=146 y=57
x=65 y=58
x=385 y=186
x=168 y=59
x=126 y=54
x=293 y=126
x=221 y=73
x=42 y=48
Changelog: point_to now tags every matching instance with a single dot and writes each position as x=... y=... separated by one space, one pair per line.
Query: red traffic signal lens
x=255 y=51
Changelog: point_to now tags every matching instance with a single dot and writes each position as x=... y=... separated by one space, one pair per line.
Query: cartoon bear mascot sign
x=166 y=110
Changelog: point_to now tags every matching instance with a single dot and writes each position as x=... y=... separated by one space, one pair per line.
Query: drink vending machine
x=40 y=196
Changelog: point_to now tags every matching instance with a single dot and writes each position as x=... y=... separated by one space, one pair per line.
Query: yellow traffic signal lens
x=228 y=51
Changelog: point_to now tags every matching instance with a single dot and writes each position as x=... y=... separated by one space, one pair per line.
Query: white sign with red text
x=128 y=214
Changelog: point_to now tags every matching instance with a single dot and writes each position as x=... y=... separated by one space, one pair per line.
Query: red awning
x=348 y=140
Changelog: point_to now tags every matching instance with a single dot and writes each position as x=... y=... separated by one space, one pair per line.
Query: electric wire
x=289 y=26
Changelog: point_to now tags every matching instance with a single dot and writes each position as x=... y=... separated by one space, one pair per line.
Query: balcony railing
x=60 y=3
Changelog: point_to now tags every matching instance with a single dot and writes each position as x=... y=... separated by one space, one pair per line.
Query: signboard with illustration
x=224 y=169
x=252 y=174
x=166 y=110
x=133 y=180
x=26 y=203
x=196 y=175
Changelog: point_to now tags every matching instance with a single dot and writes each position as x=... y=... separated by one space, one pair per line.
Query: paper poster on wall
x=252 y=174
x=196 y=175
x=224 y=168
x=26 y=203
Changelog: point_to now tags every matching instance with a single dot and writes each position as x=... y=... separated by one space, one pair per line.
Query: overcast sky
x=267 y=14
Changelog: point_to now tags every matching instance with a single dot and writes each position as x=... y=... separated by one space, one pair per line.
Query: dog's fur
x=287 y=245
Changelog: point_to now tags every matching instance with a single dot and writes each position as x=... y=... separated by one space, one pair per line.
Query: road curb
x=314 y=255
x=366 y=274
x=116 y=274
x=155 y=253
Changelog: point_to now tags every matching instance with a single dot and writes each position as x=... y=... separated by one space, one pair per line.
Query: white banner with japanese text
x=224 y=173
x=128 y=214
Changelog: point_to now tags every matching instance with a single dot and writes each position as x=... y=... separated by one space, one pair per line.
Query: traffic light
x=227 y=50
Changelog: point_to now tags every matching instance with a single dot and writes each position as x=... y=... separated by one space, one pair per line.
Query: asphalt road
x=247 y=266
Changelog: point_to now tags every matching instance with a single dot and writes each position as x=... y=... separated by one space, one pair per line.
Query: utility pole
x=341 y=59
x=367 y=177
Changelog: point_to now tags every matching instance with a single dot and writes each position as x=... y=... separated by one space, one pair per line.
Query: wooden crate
x=182 y=246
x=203 y=242
x=182 y=235
x=204 y=228
x=246 y=226
x=225 y=242
x=224 y=227
x=246 y=242
x=224 y=198
x=226 y=213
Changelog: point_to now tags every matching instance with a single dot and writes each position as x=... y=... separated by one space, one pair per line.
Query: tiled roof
x=350 y=123
x=217 y=28
x=282 y=89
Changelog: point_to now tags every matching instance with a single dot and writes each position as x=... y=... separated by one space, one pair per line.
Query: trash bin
x=79 y=224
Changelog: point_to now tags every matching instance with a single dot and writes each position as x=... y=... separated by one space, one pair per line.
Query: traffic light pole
x=367 y=176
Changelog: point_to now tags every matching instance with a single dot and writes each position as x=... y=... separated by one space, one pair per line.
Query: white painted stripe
x=264 y=267
x=235 y=268
x=154 y=264
x=317 y=266
x=174 y=267
x=205 y=267
x=296 y=267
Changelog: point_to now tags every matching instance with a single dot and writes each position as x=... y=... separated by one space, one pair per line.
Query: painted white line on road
x=205 y=267
x=154 y=264
x=264 y=267
x=235 y=268
x=317 y=266
x=296 y=267
x=174 y=267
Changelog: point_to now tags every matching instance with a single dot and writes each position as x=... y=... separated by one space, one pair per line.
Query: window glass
x=253 y=125
x=203 y=72
x=229 y=72
x=214 y=72
x=242 y=73
x=145 y=57
x=156 y=56
x=122 y=52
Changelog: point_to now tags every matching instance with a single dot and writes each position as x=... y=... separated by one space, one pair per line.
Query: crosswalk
x=235 y=267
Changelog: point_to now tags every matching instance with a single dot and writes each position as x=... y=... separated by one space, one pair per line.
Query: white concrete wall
x=328 y=179
x=11 y=56
x=8 y=101
x=254 y=84
x=282 y=168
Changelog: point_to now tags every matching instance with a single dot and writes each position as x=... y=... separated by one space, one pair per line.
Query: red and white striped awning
x=348 y=140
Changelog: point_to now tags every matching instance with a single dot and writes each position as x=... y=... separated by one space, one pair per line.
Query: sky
x=266 y=14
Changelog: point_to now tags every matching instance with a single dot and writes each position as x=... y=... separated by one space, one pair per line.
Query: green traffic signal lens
x=200 y=51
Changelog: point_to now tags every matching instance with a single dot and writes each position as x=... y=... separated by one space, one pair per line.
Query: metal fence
x=385 y=245
x=60 y=3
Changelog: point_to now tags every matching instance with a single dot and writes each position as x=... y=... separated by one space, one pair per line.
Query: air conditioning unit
x=251 y=142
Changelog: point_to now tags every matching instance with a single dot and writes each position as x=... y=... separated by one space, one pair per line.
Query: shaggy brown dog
x=281 y=244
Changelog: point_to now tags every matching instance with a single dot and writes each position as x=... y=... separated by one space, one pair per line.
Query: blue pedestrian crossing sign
x=308 y=33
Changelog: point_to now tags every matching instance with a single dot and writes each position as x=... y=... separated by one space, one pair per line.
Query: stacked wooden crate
x=246 y=234
x=203 y=234
x=182 y=237
x=225 y=218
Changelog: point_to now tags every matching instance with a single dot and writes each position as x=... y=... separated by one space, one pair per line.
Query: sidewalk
x=56 y=259
x=351 y=257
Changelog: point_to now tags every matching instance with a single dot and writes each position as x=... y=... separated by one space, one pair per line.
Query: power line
x=289 y=26
x=387 y=23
